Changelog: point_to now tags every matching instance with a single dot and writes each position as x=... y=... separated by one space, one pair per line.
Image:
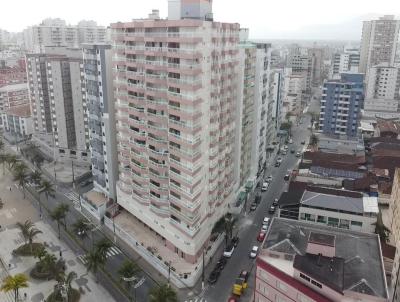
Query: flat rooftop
x=363 y=269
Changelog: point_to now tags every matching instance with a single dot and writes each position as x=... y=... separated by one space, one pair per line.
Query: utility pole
x=73 y=174
x=202 y=273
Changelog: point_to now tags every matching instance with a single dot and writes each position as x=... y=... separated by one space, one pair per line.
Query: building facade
x=17 y=121
x=302 y=262
x=176 y=88
x=58 y=101
x=341 y=105
x=55 y=32
x=395 y=231
x=382 y=96
x=13 y=95
x=379 y=42
x=97 y=63
x=348 y=61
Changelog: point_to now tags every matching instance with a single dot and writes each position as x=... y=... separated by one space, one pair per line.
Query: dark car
x=235 y=241
x=286 y=177
x=253 y=206
x=272 y=210
x=257 y=199
x=292 y=151
x=303 y=142
x=220 y=264
x=277 y=164
x=275 y=202
x=213 y=277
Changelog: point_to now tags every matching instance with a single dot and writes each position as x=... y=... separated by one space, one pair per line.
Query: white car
x=264 y=186
x=253 y=252
x=269 y=178
x=229 y=251
x=266 y=221
x=264 y=228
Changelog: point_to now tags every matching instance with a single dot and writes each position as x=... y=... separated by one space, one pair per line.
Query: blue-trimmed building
x=341 y=104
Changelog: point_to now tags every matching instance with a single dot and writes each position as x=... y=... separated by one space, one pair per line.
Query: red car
x=261 y=236
x=232 y=299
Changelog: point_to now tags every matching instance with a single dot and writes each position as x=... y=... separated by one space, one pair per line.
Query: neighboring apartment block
x=97 y=64
x=303 y=262
x=176 y=85
x=17 y=121
x=382 y=95
x=347 y=61
x=341 y=104
x=379 y=42
x=58 y=101
x=13 y=95
x=55 y=32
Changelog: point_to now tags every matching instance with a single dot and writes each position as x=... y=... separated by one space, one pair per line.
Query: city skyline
x=264 y=22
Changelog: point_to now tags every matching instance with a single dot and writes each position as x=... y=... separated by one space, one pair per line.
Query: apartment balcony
x=190 y=167
x=162 y=212
x=188 y=153
x=160 y=144
x=188 y=139
x=157 y=118
x=158 y=131
x=190 y=218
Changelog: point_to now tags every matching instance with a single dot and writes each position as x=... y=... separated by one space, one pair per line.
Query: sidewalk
x=11 y=238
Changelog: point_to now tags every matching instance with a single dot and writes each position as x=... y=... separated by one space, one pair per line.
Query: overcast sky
x=302 y=19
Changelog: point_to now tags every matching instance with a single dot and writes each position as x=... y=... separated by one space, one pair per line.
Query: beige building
x=58 y=101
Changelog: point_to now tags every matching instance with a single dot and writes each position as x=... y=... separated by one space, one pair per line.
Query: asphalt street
x=250 y=224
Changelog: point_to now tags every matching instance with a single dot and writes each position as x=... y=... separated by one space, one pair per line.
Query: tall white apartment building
x=97 y=64
x=276 y=95
x=293 y=93
x=382 y=92
x=176 y=88
x=379 y=42
x=55 y=32
x=58 y=101
x=348 y=61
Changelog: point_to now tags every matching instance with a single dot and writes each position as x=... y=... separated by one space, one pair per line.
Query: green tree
x=58 y=215
x=1 y=145
x=64 y=208
x=29 y=232
x=102 y=247
x=128 y=269
x=163 y=293
x=14 y=284
x=46 y=188
x=81 y=227
x=3 y=161
x=40 y=253
x=20 y=175
x=94 y=261
x=229 y=223
x=12 y=160
x=36 y=177
x=381 y=229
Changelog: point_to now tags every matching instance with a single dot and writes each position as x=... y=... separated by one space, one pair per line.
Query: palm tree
x=46 y=188
x=229 y=223
x=40 y=253
x=102 y=247
x=20 y=175
x=28 y=232
x=14 y=283
x=1 y=145
x=163 y=293
x=68 y=280
x=64 y=208
x=381 y=229
x=81 y=227
x=128 y=269
x=94 y=261
x=36 y=177
x=57 y=215
x=11 y=160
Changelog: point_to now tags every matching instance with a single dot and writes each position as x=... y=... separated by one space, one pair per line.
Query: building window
x=282 y=286
x=302 y=298
x=321 y=219
x=333 y=221
x=356 y=223
x=263 y=275
x=280 y=299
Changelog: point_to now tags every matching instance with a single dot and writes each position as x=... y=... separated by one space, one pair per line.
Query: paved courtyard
x=18 y=209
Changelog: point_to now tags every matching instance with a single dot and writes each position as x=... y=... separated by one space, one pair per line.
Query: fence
x=179 y=280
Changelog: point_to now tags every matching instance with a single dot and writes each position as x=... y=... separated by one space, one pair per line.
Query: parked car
x=264 y=186
x=277 y=164
x=284 y=152
x=303 y=142
x=213 y=278
x=279 y=159
x=220 y=264
x=253 y=206
x=275 y=202
x=266 y=220
x=290 y=141
x=235 y=241
x=254 y=252
x=292 y=151
x=264 y=228
x=232 y=299
x=229 y=251
x=261 y=236
x=271 y=210
x=269 y=178
x=286 y=177
x=298 y=154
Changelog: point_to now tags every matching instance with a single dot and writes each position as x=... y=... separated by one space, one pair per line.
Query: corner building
x=176 y=84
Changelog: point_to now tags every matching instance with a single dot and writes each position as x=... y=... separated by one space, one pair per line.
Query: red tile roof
x=21 y=111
